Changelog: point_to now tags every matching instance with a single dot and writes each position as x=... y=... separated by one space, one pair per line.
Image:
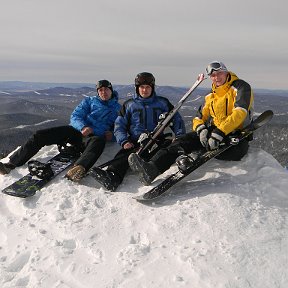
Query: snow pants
x=121 y=165
x=91 y=146
x=189 y=143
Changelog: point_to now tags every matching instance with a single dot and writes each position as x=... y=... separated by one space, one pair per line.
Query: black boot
x=184 y=162
x=5 y=168
x=108 y=179
x=148 y=170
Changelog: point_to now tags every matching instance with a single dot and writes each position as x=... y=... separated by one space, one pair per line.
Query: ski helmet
x=144 y=78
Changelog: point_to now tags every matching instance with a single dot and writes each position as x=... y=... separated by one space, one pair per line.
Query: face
x=145 y=91
x=219 y=77
x=105 y=93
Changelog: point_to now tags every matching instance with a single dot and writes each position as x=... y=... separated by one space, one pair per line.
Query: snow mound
x=225 y=225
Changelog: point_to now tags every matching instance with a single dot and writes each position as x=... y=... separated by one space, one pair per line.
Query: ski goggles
x=215 y=66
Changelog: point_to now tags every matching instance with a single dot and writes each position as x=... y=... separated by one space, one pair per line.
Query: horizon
x=114 y=84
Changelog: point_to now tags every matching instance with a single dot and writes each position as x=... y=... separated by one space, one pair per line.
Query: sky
x=84 y=41
x=225 y=225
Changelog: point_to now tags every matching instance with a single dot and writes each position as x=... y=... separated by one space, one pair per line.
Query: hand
x=215 y=139
x=201 y=77
x=128 y=145
x=108 y=135
x=202 y=132
x=87 y=131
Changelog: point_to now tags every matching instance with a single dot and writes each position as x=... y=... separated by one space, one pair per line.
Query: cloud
x=167 y=37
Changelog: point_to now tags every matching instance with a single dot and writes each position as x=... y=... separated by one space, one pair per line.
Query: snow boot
x=147 y=170
x=5 y=168
x=108 y=179
x=76 y=173
x=184 y=162
x=39 y=169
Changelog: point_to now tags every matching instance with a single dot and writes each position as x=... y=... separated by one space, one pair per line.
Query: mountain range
x=28 y=106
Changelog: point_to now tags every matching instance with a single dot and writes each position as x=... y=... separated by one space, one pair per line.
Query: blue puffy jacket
x=139 y=115
x=95 y=113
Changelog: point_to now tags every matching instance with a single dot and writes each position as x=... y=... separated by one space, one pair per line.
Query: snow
x=226 y=225
x=37 y=124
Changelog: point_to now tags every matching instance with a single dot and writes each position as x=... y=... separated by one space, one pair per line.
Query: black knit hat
x=104 y=83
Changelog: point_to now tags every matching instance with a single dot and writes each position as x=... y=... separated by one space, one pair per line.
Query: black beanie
x=104 y=83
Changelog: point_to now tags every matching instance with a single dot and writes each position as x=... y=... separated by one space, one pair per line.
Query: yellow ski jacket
x=228 y=107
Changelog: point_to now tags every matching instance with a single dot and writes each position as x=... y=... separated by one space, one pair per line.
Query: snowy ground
x=226 y=225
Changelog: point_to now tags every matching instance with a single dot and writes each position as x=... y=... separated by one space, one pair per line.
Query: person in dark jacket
x=91 y=125
x=137 y=117
x=227 y=109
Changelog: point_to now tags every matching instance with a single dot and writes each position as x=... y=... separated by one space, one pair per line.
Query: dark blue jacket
x=95 y=113
x=139 y=115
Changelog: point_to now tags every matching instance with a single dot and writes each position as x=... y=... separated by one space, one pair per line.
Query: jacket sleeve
x=178 y=125
x=202 y=116
x=78 y=116
x=242 y=105
x=121 y=126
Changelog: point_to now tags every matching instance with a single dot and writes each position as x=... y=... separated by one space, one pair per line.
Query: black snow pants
x=91 y=146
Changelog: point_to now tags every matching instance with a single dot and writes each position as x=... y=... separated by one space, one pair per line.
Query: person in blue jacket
x=91 y=125
x=138 y=116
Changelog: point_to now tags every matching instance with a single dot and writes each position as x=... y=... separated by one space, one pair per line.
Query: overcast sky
x=87 y=40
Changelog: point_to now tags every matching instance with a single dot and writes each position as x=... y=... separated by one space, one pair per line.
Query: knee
x=175 y=148
x=38 y=138
x=97 y=141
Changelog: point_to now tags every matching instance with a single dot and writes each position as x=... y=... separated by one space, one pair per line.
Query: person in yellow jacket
x=227 y=109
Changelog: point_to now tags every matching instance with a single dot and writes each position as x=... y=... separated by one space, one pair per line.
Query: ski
x=169 y=182
x=167 y=118
x=29 y=184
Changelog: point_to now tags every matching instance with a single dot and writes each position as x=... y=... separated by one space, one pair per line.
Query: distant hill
x=52 y=107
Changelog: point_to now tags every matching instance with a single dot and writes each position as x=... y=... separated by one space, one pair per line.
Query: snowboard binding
x=184 y=162
x=69 y=151
x=40 y=170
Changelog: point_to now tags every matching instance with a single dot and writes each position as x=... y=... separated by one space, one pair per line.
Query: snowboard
x=169 y=182
x=28 y=185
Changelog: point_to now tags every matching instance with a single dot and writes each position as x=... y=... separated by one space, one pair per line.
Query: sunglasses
x=215 y=66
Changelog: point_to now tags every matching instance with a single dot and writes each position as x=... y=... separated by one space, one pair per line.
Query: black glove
x=215 y=139
x=202 y=132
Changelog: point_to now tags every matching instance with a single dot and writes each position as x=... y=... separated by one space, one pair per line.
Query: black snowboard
x=28 y=184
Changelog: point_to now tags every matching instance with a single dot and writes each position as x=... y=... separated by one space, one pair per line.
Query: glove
x=215 y=139
x=202 y=132
x=143 y=138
